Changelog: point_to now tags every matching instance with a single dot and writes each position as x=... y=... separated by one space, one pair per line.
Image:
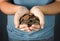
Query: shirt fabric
x=45 y=33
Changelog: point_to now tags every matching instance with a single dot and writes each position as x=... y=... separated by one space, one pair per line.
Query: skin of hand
x=38 y=13
x=24 y=27
x=35 y=27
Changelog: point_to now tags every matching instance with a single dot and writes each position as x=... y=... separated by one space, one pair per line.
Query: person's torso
x=31 y=3
x=48 y=30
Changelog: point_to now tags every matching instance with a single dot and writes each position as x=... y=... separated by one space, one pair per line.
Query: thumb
x=41 y=22
x=42 y=26
x=16 y=20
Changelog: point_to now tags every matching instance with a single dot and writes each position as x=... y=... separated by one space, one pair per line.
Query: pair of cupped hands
x=35 y=11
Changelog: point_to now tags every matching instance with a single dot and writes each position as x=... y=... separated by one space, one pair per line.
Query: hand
x=21 y=11
x=24 y=27
x=38 y=13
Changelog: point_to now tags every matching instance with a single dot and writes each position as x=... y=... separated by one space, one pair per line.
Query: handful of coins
x=29 y=19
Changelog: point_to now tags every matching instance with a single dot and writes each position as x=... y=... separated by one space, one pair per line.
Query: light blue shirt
x=45 y=33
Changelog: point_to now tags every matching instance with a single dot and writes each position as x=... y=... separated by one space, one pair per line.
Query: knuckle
x=34 y=8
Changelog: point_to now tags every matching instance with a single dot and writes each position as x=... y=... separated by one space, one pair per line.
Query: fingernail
x=16 y=26
x=42 y=27
x=29 y=31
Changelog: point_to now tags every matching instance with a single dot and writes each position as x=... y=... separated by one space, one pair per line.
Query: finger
x=42 y=26
x=17 y=16
x=41 y=22
x=32 y=27
x=23 y=26
x=16 y=20
x=27 y=29
x=35 y=27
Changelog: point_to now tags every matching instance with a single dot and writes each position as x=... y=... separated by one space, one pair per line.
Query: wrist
x=36 y=9
x=21 y=9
